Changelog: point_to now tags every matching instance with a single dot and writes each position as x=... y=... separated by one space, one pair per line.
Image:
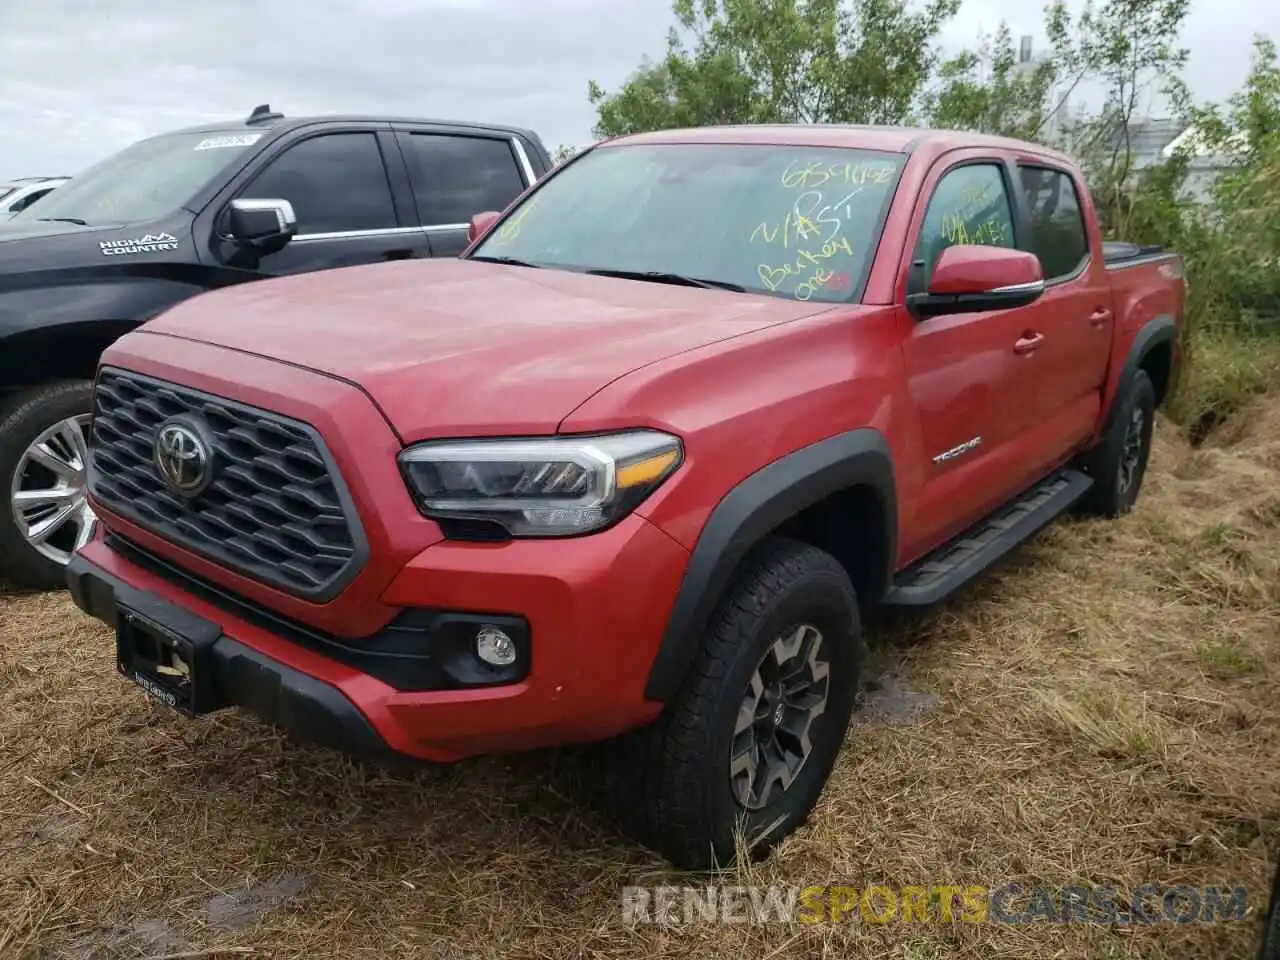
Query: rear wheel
x=43 y=459
x=1119 y=462
x=748 y=743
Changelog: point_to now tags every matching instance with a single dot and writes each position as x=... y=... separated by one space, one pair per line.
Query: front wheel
x=747 y=745
x=43 y=459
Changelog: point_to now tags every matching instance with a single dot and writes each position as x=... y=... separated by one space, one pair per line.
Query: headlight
x=553 y=487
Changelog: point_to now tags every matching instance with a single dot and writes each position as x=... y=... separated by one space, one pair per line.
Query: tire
x=675 y=787
x=1119 y=462
x=23 y=421
x=1269 y=949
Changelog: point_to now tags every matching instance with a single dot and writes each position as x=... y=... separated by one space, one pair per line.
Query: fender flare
x=748 y=513
x=1158 y=330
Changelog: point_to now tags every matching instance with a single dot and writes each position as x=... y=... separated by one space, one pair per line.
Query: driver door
x=967 y=385
x=340 y=189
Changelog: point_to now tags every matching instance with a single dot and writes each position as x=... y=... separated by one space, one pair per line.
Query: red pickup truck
x=635 y=465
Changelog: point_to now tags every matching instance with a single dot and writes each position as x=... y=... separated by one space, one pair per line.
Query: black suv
x=185 y=212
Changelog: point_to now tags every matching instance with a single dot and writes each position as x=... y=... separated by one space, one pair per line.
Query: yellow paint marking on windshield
x=511 y=229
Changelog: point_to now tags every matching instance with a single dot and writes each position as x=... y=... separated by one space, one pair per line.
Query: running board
x=955 y=563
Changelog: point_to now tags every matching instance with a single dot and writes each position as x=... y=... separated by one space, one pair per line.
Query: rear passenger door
x=456 y=175
x=1074 y=314
x=340 y=185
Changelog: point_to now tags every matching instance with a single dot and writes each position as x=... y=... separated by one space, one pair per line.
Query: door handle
x=1027 y=343
x=1100 y=316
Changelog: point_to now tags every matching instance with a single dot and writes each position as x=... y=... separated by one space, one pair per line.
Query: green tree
x=989 y=91
x=562 y=153
x=779 y=61
x=1131 y=49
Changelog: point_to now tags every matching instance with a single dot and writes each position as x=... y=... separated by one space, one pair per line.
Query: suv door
x=457 y=175
x=1074 y=314
x=340 y=185
x=965 y=382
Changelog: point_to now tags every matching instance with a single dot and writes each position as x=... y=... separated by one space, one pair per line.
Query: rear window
x=458 y=177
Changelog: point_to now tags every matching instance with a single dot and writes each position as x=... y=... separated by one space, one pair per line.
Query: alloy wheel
x=1131 y=456
x=47 y=491
x=774 y=733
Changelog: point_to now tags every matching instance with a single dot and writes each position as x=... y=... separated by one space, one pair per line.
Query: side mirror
x=480 y=224
x=973 y=279
x=262 y=223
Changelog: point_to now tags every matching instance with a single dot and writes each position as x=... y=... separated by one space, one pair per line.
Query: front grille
x=276 y=509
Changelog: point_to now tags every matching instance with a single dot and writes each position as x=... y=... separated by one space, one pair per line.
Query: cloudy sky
x=79 y=80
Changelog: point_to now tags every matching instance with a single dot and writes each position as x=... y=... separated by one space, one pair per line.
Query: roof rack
x=263 y=113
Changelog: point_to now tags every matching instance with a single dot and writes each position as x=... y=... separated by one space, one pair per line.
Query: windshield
x=143 y=182
x=5 y=190
x=790 y=221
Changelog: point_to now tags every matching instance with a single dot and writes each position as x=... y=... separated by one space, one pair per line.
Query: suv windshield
x=143 y=182
x=789 y=221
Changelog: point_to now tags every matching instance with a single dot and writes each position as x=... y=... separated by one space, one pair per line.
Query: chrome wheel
x=47 y=491
x=1131 y=456
x=774 y=733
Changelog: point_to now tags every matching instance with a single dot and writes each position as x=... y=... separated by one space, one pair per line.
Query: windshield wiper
x=678 y=279
x=508 y=261
x=76 y=220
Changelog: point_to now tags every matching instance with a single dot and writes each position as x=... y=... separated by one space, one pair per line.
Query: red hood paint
x=456 y=348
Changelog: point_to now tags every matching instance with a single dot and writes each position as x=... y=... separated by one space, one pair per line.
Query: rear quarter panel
x=1144 y=291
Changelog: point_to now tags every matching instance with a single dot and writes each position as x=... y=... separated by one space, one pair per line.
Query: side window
x=969 y=205
x=336 y=183
x=1058 y=236
x=458 y=177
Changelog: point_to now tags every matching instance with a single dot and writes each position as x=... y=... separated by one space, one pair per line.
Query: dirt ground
x=1103 y=710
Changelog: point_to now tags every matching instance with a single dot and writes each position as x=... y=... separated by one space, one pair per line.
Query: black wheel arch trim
x=748 y=513
x=1155 y=332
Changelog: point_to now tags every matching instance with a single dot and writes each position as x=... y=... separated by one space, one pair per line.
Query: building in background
x=1207 y=160
x=1028 y=61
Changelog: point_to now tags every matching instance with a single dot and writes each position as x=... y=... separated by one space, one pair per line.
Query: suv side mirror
x=262 y=223
x=480 y=224
x=973 y=279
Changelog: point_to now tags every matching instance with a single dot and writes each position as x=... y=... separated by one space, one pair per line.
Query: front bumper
x=595 y=608
x=307 y=708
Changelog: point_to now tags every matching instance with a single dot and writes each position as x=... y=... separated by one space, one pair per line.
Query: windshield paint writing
x=817 y=260
x=812 y=230
x=811 y=174
x=511 y=228
x=787 y=221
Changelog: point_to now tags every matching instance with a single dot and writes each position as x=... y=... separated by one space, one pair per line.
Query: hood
x=455 y=347
x=37 y=247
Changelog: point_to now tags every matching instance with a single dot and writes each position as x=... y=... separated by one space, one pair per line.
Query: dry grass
x=1103 y=710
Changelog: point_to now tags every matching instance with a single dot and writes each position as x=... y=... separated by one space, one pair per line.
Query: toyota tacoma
x=635 y=466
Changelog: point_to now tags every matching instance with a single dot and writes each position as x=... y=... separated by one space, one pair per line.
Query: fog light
x=494 y=647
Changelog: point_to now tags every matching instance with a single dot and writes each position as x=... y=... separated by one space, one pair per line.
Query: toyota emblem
x=183 y=458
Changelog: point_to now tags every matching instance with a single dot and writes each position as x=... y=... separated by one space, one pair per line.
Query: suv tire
x=782 y=653
x=24 y=420
x=1119 y=461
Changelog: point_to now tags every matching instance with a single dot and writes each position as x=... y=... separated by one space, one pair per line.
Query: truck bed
x=1116 y=253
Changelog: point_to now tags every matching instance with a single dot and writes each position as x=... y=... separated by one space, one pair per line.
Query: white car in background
x=17 y=195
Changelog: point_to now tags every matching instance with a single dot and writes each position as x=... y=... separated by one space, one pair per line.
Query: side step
x=955 y=563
